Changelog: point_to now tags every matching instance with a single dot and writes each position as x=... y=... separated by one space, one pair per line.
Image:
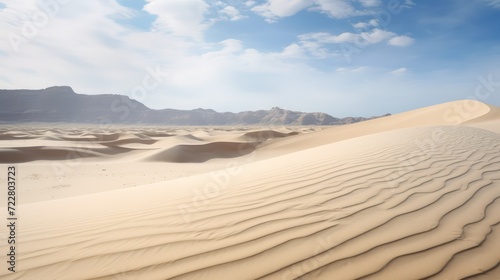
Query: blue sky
x=343 y=57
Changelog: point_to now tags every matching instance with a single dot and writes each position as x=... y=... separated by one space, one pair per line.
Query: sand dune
x=267 y=134
x=15 y=135
x=203 y=152
x=488 y=121
x=452 y=113
x=30 y=154
x=65 y=161
x=414 y=196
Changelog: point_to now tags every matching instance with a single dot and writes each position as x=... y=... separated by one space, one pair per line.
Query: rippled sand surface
x=411 y=196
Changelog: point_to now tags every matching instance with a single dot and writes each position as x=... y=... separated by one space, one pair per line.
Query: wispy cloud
x=338 y=9
x=317 y=44
x=180 y=17
x=399 y=71
x=371 y=3
x=272 y=10
x=493 y=3
x=352 y=70
x=250 y=3
x=366 y=24
x=231 y=13
x=401 y=41
x=408 y=4
x=372 y=37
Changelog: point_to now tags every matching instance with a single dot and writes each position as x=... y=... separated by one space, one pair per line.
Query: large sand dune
x=411 y=196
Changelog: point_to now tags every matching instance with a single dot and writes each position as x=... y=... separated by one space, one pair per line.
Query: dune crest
x=451 y=113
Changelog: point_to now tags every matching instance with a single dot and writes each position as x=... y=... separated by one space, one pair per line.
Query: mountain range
x=62 y=104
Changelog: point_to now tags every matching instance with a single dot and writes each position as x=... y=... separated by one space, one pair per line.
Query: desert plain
x=410 y=196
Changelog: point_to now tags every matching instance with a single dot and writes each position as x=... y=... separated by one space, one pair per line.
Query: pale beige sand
x=412 y=196
x=69 y=160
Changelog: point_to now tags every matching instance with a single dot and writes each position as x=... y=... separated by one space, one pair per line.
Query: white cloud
x=272 y=10
x=230 y=46
x=320 y=44
x=90 y=50
x=293 y=51
x=371 y=3
x=315 y=49
x=179 y=17
x=376 y=36
x=240 y=77
x=493 y=3
x=366 y=25
x=250 y=3
x=399 y=71
x=401 y=41
x=361 y=25
x=374 y=22
x=408 y=4
x=364 y=38
x=231 y=13
x=275 y=9
x=337 y=9
x=352 y=70
x=85 y=48
x=327 y=38
x=360 y=69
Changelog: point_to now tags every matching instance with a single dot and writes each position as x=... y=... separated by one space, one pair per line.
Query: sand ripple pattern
x=420 y=203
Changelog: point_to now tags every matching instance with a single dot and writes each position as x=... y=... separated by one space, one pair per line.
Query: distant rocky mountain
x=62 y=104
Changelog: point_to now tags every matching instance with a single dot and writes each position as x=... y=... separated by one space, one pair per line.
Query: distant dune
x=409 y=196
x=62 y=104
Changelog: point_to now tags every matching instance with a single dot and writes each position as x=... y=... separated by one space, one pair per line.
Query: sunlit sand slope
x=451 y=113
x=411 y=203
